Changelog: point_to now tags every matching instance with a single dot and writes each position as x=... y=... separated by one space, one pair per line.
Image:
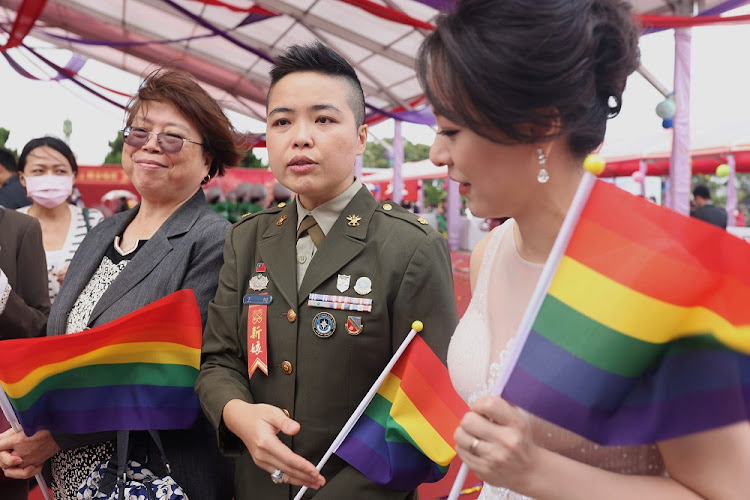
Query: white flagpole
x=10 y=416
x=415 y=327
x=540 y=291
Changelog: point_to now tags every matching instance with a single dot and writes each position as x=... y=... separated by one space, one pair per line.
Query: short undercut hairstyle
x=321 y=59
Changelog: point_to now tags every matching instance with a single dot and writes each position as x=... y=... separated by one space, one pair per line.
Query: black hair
x=8 y=160
x=702 y=192
x=50 y=142
x=512 y=70
x=321 y=59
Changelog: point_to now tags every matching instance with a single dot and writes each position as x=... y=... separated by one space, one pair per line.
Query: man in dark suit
x=707 y=211
x=12 y=193
x=24 y=299
x=329 y=285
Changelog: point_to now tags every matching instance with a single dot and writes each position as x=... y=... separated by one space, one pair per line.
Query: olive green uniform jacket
x=320 y=381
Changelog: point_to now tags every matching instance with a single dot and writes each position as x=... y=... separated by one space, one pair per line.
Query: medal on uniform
x=260 y=267
x=257 y=357
x=363 y=286
x=354 y=325
x=342 y=283
x=324 y=324
x=258 y=282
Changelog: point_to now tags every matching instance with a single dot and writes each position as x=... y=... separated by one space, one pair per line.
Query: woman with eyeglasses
x=176 y=139
x=47 y=169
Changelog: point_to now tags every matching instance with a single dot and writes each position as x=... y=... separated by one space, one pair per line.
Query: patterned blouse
x=70 y=468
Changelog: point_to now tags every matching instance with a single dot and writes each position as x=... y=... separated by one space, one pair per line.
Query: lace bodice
x=482 y=341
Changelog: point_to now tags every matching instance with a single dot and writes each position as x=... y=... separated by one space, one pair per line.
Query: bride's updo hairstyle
x=514 y=70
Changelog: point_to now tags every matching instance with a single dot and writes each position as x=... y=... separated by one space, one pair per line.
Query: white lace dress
x=481 y=343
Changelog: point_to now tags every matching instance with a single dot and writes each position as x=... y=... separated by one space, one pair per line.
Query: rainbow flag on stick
x=644 y=332
x=401 y=435
x=134 y=373
x=405 y=436
x=639 y=328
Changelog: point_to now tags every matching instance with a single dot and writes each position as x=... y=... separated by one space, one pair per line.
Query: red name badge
x=257 y=357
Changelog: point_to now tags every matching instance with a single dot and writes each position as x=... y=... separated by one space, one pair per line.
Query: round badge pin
x=324 y=324
x=363 y=285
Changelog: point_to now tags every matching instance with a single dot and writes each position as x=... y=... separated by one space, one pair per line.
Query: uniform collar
x=328 y=213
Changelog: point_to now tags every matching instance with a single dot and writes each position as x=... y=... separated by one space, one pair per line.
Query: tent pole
x=398 y=161
x=453 y=217
x=680 y=167
x=731 y=191
x=358 y=167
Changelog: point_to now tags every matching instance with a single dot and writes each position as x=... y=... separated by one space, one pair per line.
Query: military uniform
x=391 y=257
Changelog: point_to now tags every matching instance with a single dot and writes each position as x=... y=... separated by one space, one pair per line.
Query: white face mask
x=49 y=190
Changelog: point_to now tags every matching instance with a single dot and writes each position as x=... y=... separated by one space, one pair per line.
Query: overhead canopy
x=227 y=44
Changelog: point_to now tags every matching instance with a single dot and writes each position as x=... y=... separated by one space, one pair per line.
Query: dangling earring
x=543 y=176
x=206 y=178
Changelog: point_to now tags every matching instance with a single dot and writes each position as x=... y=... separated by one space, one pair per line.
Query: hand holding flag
x=637 y=330
x=401 y=434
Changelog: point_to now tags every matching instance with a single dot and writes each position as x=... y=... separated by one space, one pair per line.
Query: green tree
x=4 y=134
x=114 y=157
x=375 y=155
x=251 y=161
x=434 y=192
x=416 y=152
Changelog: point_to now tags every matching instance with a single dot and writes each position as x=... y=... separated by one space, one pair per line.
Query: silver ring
x=277 y=476
x=473 y=447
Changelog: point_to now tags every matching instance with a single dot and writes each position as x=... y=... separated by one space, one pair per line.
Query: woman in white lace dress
x=521 y=92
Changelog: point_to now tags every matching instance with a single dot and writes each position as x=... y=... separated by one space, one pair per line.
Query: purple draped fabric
x=422 y=116
x=443 y=5
x=223 y=34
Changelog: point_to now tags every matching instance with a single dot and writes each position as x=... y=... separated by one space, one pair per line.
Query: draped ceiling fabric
x=227 y=44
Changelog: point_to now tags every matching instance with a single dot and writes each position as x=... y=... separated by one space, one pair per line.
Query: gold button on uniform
x=291 y=315
x=286 y=367
x=387 y=206
x=286 y=412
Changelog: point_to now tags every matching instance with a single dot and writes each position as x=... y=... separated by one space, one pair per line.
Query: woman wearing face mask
x=48 y=170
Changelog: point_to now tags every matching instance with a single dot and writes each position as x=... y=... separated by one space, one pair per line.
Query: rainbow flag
x=134 y=373
x=644 y=332
x=405 y=436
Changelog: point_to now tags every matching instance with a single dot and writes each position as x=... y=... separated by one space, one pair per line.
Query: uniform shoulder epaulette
x=248 y=216
x=397 y=211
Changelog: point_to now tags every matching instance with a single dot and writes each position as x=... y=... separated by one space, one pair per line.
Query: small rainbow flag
x=405 y=436
x=134 y=373
x=644 y=332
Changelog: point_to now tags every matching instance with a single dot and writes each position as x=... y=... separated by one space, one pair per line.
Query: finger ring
x=277 y=476
x=473 y=447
